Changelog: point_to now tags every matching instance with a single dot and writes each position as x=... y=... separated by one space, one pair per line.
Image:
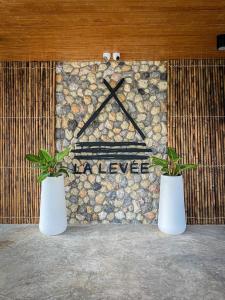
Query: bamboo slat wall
x=27 y=105
x=196 y=128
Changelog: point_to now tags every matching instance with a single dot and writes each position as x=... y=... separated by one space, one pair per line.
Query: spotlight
x=106 y=56
x=116 y=56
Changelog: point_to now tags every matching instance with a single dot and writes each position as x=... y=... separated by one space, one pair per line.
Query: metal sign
x=121 y=151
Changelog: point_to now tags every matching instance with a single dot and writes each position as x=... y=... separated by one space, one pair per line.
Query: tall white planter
x=171 y=218
x=53 y=206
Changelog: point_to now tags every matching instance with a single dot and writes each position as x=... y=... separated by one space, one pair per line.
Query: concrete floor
x=112 y=262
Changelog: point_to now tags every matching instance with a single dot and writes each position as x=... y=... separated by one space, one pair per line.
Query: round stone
x=152 y=98
x=137 y=76
x=130 y=135
x=157 y=128
x=102 y=215
x=121 y=97
x=72 y=221
x=68 y=134
x=97 y=208
x=144 y=68
x=73 y=86
x=93 y=87
x=120 y=194
x=58 y=78
x=102 y=67
x=60 y=133
x=130 y=215
x=67 y=68
x=136 y=206
x=75 y=108
x=110 y=216
x=103 y=117
x=116 y=77
x=89 y=209
x=94 y=217
x=91 y=178
x=164 y=129
x=150 y=215
x=83 y=193
x=126 y=68
x=75 y=71
x=116 y=130
x=162 y=85
x=141 y=117
x=100 y=198
x=125 y=125
x=73 y=207
x=69 y=99
x=73 y=199
x=112 y=116
x=163 y=107
x=143 y=84
x=162 y=68
x=90 y=108
x=87 y=185
x=72 y=125
x=87 y=92
x=119 y=116
x=59 y=88
x=91 y=78
x=127 y=88
x=80 y=217
x=140 y=107
x=139 y=217
x=87 y=100
x=80 y=92
x=157 y=137
x=97 y=186
x=145 y=183
x=118 y=203
x=155 y=110
x=119 y=215
x=154 y=81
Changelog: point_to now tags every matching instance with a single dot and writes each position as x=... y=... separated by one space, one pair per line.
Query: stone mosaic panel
x=120 y=197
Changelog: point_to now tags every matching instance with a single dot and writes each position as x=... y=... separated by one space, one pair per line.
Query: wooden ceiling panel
x=84 y=29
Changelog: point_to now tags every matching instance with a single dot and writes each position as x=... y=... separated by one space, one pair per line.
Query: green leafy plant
x=171 y=166
x=50 y=166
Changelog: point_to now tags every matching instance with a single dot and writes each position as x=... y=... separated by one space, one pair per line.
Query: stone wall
x=120 y=197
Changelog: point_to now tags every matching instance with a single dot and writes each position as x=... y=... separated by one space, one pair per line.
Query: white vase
x=171 y=217
x=53 y=218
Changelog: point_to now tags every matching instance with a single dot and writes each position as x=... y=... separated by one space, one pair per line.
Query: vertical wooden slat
x=27 y=104
x=196 y=116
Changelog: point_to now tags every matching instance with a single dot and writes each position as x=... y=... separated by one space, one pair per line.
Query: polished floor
x=112 y=262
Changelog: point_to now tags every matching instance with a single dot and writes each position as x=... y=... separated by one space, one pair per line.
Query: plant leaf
x=184 y=167
x=172 y=154
x=60 y=155
x=33 y=158
x=41 y=167
x=62 y=170
x=41 y=156
x=159 y=161
x=164 y=170
x=42 y=176
x=44 y=154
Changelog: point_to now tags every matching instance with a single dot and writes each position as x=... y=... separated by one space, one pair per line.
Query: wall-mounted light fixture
x=106 y=56
x=116 y=56
x=221 y=42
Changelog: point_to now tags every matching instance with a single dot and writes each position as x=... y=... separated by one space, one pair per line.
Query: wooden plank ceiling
x=84 y=29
